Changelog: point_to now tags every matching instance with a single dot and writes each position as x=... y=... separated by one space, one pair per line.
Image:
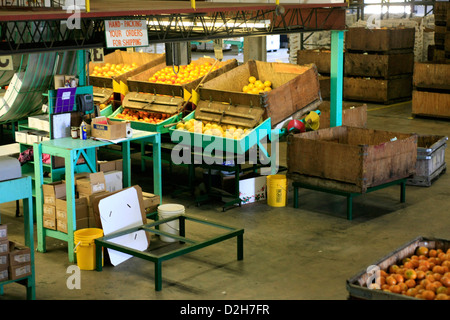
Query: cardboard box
x=106 y=166
x=18 y=254
x=150 y=201
x=113 y=180
x=4 y=246
x=81 y=208
x=252 y=189
x=19 y=271
x=4 y=274
x=21 y=136
x=92 y=184
x=53 y=191
x=4 y=260
x=49 y=222
x=61 y=79
x=3 y=232
x=105 y=128
x=95 y=200
x=61 y=224
x=40 y=122
x=49 y=210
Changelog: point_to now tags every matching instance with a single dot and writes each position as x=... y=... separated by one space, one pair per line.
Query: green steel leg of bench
x=240 y=247
x=158 y=275
x=295 y=196
x=126 y=155
x=403 y=191
x=98 y=256
x=349 y=206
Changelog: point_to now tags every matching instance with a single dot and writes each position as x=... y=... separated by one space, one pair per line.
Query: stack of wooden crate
x=440 y=52
x=379 y=64
x=431 y=94
x=322 y=59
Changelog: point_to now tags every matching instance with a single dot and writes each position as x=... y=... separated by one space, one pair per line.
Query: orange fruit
x=442 y=296
x=428 y=295
x=420 y=274
x=445 y=281
x=390 y=280
x=411 y=292
x=411 y=283
x=395 y=288
x=442 y=289
x=432 y=253
x=399 y=278
x=410 y=274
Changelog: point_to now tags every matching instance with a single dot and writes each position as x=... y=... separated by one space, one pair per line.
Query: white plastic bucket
x=173 y=227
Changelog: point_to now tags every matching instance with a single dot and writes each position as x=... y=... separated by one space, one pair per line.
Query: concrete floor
x=289 y=254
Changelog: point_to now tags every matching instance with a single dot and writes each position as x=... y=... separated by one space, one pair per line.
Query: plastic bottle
x=83 y=131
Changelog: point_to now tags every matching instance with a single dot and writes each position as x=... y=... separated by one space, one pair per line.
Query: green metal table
x=348 y=194
x=71 y=149
x=157 y=259
x=13 y=190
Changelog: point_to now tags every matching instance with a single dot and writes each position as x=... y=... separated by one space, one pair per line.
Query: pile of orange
x=424 y=275
x=142 y=116
x=110 y=70
x=256 y=86
x=179 y=75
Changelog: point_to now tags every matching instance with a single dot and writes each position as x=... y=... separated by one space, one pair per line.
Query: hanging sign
x=6 y=63
x=126 y=33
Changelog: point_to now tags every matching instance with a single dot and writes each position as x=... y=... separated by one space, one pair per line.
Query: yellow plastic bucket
x=85 y=247
x=276 y=190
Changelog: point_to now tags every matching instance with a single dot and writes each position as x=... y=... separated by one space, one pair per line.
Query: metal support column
x=81 y=67
x=337 y=77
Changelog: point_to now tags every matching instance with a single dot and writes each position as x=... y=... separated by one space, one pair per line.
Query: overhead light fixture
x=238 y=24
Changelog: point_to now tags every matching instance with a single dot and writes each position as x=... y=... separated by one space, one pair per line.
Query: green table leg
x=240 y=247
x=98 y=256
x=158 y=275
x=295 y=196
x=349 y=207
x=403 y=191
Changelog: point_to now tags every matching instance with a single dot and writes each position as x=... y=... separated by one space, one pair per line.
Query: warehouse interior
x=314 y=244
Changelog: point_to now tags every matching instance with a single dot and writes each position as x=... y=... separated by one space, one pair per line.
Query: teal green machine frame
x=13 y=190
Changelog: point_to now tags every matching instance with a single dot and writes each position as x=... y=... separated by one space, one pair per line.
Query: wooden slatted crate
x=379 y=40
x=294 y=88
x=378 y=90
x=352 y=159
x=383 y=66
x=429 y=75
x=431 y=104
x=140 y=82
x=142 y=59
x=320 y=57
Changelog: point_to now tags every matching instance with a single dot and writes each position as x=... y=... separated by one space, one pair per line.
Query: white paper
x=118 y=212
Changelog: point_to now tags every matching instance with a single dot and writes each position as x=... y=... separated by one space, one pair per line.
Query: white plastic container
x=173 y=227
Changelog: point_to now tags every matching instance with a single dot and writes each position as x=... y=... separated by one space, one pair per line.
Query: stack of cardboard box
x=15 y=259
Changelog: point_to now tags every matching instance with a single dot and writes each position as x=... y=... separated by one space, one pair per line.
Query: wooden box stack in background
x=431 y=95
x=440 y=52
x=322 y=59
x=379 y=64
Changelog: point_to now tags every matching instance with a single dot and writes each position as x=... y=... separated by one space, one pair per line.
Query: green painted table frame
x=71 y=149
x=350 y=195
x=14 y=190
x=158 y=259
